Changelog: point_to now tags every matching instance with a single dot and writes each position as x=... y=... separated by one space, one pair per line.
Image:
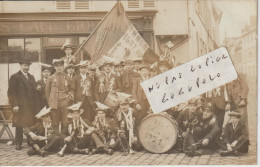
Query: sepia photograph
x=128 y=82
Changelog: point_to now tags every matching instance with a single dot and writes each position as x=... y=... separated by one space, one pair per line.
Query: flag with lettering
x=115 y=36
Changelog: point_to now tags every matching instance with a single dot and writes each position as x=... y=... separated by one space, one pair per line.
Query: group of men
x=78 y=107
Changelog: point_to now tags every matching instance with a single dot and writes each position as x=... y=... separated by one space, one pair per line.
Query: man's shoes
x=94 y=151
x=189 y=153
x=225 y=153
x=81 y=151
x=237 y=153
x=31 y=152
x=18 y=147
x=42 y=152
x=108 y=151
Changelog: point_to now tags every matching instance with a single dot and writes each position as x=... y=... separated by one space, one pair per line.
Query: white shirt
x=25 y=74
x=83 y=76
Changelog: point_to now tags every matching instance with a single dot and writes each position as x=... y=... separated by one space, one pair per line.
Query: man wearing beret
x=24 y=99
x=235 y=137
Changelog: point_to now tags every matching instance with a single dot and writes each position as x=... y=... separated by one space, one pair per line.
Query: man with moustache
x=24 y=100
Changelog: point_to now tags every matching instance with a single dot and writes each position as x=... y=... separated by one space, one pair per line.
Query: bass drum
x=111 y=100
x=158 y=133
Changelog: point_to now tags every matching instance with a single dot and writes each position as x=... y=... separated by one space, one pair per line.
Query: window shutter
x=149 y=3
x=133 y=4
x=81 y=4
x=63 y=4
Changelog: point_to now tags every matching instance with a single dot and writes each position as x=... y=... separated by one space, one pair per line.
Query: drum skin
x=158 y=133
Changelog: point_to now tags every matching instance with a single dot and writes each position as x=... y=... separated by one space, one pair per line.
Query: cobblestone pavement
x=10 y=156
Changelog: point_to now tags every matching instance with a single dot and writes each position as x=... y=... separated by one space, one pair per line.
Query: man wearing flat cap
x=24 y=99
x=235 y=138
x=58 y=94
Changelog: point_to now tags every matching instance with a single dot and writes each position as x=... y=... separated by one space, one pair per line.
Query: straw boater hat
x=163 y=63
x=121 y=64
x=74 y=107
x=145 y=66
x=137 y=60
x=108 y=61
x=57 y=61
x=43 y=112
x=92 y=67
x=235 y=113
x=101 y=107
x=46 y=67
x=67 y=44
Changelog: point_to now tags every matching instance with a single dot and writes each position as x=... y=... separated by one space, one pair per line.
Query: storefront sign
x=47 y=27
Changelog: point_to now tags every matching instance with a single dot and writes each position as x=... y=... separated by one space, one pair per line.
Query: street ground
x=9 y=156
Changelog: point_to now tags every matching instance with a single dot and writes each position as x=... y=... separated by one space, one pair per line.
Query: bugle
x=62 y=151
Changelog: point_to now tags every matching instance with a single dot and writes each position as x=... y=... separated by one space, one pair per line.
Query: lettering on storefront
x=47 y=27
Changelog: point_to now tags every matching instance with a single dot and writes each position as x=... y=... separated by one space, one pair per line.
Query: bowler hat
x=163 y=62
x=25 y=61
x=235 y=113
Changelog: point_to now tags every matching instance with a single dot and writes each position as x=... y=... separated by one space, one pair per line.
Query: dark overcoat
x=22 y=93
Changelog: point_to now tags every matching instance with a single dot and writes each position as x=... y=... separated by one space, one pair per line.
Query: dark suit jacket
x=38 y=129
x=238 y=134
x=22 y=93
x=65 y=129
x=238 y=89
x=76 y=89
x=43 y=100
x=209 y=131
x=109 y=132
x=128 y=78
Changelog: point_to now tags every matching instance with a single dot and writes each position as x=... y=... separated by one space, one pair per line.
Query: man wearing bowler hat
x=24 y=100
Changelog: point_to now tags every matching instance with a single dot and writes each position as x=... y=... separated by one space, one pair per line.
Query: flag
x=115 y=36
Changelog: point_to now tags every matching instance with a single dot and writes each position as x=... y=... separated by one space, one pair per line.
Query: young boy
x=43 y=136
x=125 y=118
x=106 y=126
x=78 y=134
x=235 y=138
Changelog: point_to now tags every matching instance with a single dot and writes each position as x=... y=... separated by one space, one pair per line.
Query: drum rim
x=164 y=115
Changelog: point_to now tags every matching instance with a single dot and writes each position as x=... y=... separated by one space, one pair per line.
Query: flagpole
x=84 y=42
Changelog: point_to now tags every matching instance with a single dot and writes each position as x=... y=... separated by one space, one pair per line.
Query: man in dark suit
x=46 y=72
x=24 y=99
x=235 y=138
x=81 y=90
x=43 y=136
x=202 y=135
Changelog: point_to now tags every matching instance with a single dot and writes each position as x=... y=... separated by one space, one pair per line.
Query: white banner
x=130 y=45
x=189 y=80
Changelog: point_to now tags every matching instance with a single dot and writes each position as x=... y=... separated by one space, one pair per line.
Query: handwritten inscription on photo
x=189 y=80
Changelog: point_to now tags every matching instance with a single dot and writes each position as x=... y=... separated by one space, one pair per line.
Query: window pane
x=32 y=49
x=11 y=50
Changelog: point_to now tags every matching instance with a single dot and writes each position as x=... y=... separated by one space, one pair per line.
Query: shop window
x=12 y=50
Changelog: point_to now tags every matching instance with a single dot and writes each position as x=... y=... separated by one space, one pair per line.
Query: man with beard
x=202 y=134
x=24 y=99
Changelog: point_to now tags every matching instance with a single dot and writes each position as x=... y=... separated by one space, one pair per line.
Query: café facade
x=40 y=36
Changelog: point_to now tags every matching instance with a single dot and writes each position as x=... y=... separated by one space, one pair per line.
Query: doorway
x=53 y=53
